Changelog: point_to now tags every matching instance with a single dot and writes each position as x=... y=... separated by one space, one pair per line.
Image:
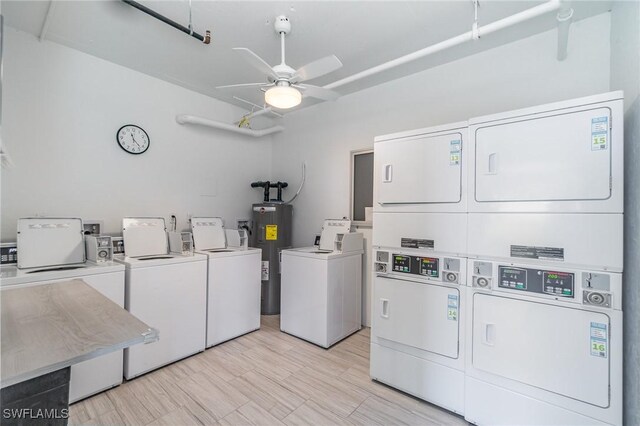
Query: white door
x=554 y=158
x=424 y=316
x=558 y=349
x=419 y=170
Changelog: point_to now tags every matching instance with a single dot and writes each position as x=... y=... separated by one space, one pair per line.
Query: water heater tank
x=272 y=225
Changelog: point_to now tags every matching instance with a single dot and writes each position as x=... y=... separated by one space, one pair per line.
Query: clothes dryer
x=166 y=290
x=544 y=345
x=233 y=281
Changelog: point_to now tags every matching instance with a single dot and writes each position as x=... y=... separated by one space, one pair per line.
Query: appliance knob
x=482 y=282
x=595 y=298
x=451 y=277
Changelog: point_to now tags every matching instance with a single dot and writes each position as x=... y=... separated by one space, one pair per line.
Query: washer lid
x=46 y=241
x=144 y=236
x=208 y=233
x=330 y=229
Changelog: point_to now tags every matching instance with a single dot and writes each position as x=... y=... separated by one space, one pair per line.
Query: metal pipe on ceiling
x=191 y=119
x=206 y=39
x=550 y=6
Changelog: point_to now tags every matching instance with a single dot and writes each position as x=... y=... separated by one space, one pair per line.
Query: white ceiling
x=361 y=33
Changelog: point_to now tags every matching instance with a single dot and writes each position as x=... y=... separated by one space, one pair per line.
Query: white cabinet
x=420 y=170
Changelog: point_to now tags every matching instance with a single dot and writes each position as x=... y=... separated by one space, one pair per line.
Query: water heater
x=271 y=232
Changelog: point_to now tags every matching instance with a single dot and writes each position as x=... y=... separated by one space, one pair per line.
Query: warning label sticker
x=271 y=232
x=452 y=307
x=265 y=270
x=455 y=147
x=599 y=133
x=533 y=252
x=599 y=339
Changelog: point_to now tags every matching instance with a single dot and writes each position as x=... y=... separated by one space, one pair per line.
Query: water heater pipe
x=304 y=176
x=564 y=22
x=550 y=6
x=190 y=119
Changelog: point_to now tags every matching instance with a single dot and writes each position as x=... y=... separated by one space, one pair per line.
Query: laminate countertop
x=48 y=327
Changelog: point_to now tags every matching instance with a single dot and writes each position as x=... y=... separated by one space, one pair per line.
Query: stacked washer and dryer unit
x=544 y=313
x=419 y=246
x=542 y=307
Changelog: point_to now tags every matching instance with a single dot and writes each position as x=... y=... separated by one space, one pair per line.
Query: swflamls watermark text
x=35 y=413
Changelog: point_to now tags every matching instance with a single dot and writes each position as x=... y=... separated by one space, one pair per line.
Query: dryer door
x=525 y=160
x=424 y=316
x=425 y=169
x=558 y=349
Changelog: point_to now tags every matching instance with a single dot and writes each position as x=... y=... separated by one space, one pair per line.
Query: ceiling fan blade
x=318 y=68
x=318 y=92
x=242 y=85
x=256 y=61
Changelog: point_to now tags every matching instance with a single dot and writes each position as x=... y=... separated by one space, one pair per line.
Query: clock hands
x=134 y=140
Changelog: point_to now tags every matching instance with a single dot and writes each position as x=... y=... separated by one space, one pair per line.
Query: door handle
x=384 y=308
x=493 y=164
x=489 y=335
x=388 y=173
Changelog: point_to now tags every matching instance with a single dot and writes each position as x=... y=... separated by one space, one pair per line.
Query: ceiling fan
x=282 y=89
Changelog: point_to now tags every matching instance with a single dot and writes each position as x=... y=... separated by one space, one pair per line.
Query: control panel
x=118 y=245
x=555 y=283
x=416 y=265
x=99 y=248
x=8 y=254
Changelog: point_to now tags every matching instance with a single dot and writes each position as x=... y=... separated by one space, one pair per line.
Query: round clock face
x=133 y=139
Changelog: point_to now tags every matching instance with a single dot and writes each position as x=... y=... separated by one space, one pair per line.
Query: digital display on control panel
x=513 y=278
x=537 y=281
x=9 y=255
x=429 y=266
x=416 y=265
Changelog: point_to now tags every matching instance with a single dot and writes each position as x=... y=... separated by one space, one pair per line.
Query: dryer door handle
x=489 y=335
x=384 y=308
x=492 y=166
x=388 y=173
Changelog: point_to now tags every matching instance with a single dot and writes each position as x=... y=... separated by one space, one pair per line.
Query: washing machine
x=52 y=250
x=166 y=290
x=233 y=281
x=544 y=345
x=321 y=293
x=417 y=335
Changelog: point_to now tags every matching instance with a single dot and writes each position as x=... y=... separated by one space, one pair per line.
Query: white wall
x=61 y=111
x=625 y=75
x=520 y=74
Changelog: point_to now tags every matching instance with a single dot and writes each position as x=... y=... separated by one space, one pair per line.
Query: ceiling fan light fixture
x=283 y=97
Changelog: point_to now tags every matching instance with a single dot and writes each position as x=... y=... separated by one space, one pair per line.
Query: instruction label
x=417 y=243
x=533 y=252
x=265 y=270
x=455 y=147
x=599 y=340
x=271 y=232
x=599 y=133
x=452 y=307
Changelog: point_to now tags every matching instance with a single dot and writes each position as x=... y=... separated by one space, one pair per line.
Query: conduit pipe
x=190 y=119
x=47 y=20
x=564 y=22
x=550 y=6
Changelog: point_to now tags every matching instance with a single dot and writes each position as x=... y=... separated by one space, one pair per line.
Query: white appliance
x=544 y=346
x=321 y=286
x=421 y=170
x=166 y=290
x=417 y=336
x=233 y=281
x=55 y=241
x=560 y=157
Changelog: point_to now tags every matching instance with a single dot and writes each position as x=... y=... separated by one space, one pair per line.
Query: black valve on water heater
x=267 y=189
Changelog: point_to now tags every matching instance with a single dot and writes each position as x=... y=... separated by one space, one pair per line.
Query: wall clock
x=133 y=139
